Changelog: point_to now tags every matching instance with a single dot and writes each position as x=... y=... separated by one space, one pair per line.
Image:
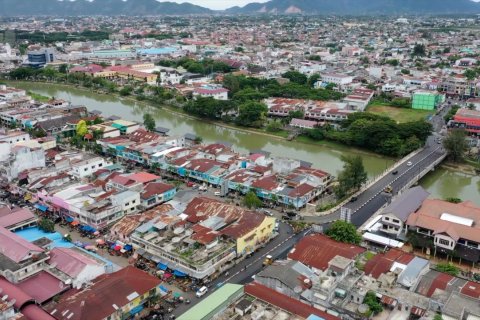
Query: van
x=277 y=225
x=201 y=292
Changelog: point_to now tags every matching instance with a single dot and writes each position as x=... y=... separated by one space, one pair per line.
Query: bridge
x=370 y=199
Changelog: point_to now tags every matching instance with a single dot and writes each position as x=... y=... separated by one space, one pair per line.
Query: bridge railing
x=371 y=182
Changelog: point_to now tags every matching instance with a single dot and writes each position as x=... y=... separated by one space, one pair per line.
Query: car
x=353 y=199
x=217 y=193
x=201 y=292
x=286 y=217
x=439 y=141
x=268 y=213
x=394 y=172
x=409 y=163
x=277 y=225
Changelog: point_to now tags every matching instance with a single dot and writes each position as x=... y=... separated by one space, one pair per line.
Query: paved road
x=277 y=248
x=374 y=198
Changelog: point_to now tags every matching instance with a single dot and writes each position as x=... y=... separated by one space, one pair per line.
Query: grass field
x=399 y=114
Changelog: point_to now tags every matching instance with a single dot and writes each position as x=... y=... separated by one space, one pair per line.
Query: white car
x=217 y=193
x=201 y=292
x=409 y=163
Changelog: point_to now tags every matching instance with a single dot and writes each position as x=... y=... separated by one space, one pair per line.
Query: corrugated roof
x=202 y=310
x=407 y=202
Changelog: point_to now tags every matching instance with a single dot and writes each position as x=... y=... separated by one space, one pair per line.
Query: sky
x=218 y=4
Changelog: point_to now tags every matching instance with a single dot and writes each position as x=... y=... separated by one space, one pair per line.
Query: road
x=367 y=203
x=242 y=272
x=373 y=198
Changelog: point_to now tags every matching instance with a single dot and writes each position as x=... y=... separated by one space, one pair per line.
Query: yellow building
x=256 y=236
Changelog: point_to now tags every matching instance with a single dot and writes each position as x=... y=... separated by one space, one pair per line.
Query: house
x=303 y=124
x=395 y=215
x=155 y=193
x=77 y=266
x=336 y=78
x=128 y=290
x=209 y=91
x=450 y=226
x=128 y=200
x=17 y=218
x=316 y=250
x=19 y=258
x=86 y=167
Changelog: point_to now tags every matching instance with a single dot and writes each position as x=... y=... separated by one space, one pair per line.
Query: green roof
x=221 y=296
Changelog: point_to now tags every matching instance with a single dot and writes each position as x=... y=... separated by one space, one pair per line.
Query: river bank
x=326 y=156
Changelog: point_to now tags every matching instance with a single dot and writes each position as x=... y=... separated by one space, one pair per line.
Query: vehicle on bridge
x=388 y=189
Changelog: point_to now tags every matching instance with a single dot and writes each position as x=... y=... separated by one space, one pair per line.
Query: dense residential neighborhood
x=262 y=162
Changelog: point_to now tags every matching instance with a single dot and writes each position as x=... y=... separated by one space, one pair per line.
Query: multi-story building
x=426 y=100
x=468 y=120
x=40 y=58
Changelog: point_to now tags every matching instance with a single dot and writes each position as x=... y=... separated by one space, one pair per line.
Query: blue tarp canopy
x=69 y=219
x=161 y=266
x=163 y=288
x=127 y=247
x=136 y=310
x=88 y=229
x=41 y=207
x=177 y=273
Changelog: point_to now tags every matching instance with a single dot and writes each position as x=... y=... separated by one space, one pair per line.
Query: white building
x=85 y=168
x=336 y=78
x=79 y=267
x=13 y=137
x=22 y=158
x=217 y=93
x=129 y=201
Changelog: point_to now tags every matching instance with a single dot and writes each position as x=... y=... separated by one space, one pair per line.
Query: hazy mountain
x=361 y=7
x=97 y=7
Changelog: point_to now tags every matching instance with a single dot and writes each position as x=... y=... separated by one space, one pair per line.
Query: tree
x=352 y=177
x=453 y=200
x=82 y=128
x=274 y=126
x=448 y=268
x=344 y=231
x=252 y=114
x=149 y=122
x=470 y=74
x=438 y=317
x=252 y=201
x=63 y=68
x=419 y=50
x=67 y=238
x=372 y=302
x=295 y=76
x=456 y=144
x=46 y=225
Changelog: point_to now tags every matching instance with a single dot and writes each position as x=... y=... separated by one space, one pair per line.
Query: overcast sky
x=218 y=4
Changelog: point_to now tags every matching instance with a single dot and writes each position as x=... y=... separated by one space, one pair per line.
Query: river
x=441 y=183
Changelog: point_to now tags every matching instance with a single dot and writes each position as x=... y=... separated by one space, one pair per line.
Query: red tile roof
x=471 y=289
x=382 y=262
x=15 y=216
x=267 y=183
x=33 y=311
x=42 y=286
x=143 y=177
x=15 y=247
x=14 y=292
x=155 y=188
x=301 y=190
x=317 y=250
x=97 y=301
x=70 y=261
x=285 y=302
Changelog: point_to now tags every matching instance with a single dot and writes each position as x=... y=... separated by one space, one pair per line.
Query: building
x=395 y=215
x=449 y=226
x=75 y=265
x=17 y=218
x=209 y=91
x=336 y=78
x=201 y=240
x=40 y=58
x=426 y=100
x=128 y=289
x=468 y=120
x=86 y=167
x=19 y=258
x=215 y=303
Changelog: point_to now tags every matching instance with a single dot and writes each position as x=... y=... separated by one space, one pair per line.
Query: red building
x=468 y=120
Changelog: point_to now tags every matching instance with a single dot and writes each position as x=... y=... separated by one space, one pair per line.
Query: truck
x=268 y=260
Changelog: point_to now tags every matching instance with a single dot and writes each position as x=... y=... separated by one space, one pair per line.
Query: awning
x=87 y=228
x=69 y=219
x=177 y=273
x=75 y=223
x=41 y=207
x=117 y=248
x=136 y=310
x=162 y=266
x=128 y=247
x=163 y=288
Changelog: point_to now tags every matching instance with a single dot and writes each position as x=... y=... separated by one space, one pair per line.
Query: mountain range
x=153 y=7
